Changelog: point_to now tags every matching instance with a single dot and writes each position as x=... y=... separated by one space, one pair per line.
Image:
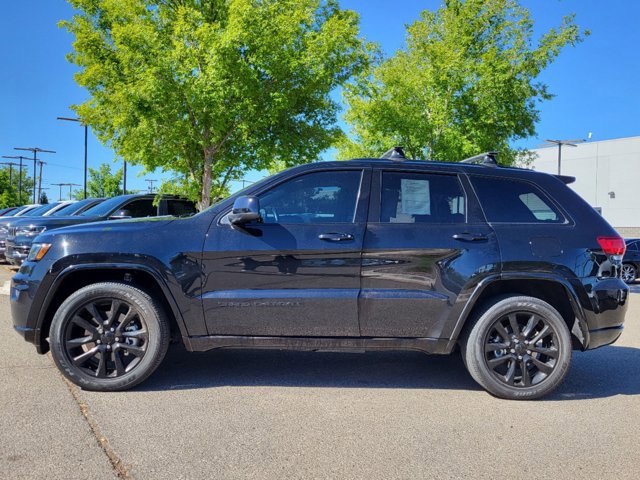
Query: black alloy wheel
x=517 y=347
x=521 y=349
x=109 y=336
x=106 y=338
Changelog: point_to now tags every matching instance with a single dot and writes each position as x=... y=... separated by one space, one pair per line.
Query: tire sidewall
x=475 y=355
x=156 y=326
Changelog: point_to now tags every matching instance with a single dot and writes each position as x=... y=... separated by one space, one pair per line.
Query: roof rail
x=487 y=159
x=396 y=153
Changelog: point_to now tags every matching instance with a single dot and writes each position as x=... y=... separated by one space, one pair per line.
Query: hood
x=51 y=222
x=92 y=227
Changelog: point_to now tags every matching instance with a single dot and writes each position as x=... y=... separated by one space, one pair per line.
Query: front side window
x=320 y=197
x=141 y=208
x=514 y=201
x=409 y=197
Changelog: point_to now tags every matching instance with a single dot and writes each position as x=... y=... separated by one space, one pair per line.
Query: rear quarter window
x=513 y=201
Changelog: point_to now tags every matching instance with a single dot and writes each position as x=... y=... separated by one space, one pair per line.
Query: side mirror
x=120 y=215
x=245 y=209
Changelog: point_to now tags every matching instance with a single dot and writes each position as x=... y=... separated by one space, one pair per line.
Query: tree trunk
x=205 y=196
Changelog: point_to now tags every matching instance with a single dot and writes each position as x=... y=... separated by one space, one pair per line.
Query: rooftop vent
x=396 y=153
x=488 y=159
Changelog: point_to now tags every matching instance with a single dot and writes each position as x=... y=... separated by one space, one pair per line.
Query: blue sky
x=596 y=83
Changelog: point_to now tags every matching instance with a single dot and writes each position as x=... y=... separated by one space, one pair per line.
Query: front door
x=426 y=246
x=298 y=272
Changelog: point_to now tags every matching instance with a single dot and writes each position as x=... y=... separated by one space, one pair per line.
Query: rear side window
x=514 y=201
x=632 y=246
x=409 y=197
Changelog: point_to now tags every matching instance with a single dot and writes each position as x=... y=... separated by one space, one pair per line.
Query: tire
x=629 y=273
x=116 y=351
x=517 y=365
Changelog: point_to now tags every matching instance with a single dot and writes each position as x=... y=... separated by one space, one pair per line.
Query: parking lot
x=268 y=414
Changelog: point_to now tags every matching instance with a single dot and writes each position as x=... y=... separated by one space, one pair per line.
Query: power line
x=35 y=151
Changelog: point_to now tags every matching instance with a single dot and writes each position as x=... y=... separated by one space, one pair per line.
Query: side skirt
x=326 y=344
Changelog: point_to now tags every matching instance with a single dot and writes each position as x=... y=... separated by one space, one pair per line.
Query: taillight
x=612 y=245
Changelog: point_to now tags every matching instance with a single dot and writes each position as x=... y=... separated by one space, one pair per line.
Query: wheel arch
x=554 y=290
x=76 y=276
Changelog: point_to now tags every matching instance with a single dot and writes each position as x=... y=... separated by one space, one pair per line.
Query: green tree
x=211 y=89
x=466 y=83
x=102 y=183
x=44 y=199
x=9 y=195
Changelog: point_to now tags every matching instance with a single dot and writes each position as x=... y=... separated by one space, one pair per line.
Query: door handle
x=470 y=237
x=335 y=237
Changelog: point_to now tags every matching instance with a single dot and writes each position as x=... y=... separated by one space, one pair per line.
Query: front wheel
x=109 y=337
x=518 y=348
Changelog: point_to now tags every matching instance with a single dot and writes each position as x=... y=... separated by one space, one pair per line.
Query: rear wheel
x=109 y=337
x=629 y=273
x=518 y=348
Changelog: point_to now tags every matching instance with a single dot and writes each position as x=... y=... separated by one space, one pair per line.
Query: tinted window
x=513 y=201
x=632 y=246
x=141 y=208
x=321 y=197
x=421 y=198
x=180 y=208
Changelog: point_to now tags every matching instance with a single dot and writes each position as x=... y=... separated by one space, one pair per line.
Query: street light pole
x=86 y=137
x=560 y=143
x=35 y=151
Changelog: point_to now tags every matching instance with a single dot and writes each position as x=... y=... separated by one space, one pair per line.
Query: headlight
x=4 y=230
x=38 y=250
x=30 y=230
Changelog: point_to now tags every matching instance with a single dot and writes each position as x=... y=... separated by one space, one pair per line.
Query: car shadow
x=604 y=372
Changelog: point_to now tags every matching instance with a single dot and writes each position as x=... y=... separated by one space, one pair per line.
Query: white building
x=607 y=176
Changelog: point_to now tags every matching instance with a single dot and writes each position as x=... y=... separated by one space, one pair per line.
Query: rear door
x=426 y=245
x=298 y=272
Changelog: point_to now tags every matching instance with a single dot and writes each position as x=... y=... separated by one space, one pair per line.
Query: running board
x=342 y=344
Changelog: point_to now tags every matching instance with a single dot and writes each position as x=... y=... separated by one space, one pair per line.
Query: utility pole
x=40 y=163
x=560 y=143
x=124 y=179
x=151 y=182
x=86 y=135
x=35 y=151
x=70 y=185
x=11 y=164
x=20 y=174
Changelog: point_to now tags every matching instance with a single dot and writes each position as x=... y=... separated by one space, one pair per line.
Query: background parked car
x=5 y=221
x=631 y=260
x=21 y=235
x=6 y=211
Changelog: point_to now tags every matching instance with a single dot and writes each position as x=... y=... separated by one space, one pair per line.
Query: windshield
x=105 y=208
x=36 y=212
x=72 y=208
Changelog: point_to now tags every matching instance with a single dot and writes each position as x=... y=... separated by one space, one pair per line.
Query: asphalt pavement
x=269 y=414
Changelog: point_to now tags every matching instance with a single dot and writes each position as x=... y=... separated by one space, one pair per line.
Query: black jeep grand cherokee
x=509 y=264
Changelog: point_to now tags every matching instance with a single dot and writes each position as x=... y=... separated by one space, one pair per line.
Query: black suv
x=22 y=233
x=510 y=265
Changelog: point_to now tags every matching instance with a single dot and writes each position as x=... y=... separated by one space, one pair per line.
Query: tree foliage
x=9 y=194
x=465 y=83
x=102 y=183
x=211 y=89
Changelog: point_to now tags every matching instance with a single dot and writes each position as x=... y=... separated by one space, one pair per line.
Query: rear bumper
x=609 y=300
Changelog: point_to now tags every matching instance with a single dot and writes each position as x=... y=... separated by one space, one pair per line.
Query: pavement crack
x=116 y=462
